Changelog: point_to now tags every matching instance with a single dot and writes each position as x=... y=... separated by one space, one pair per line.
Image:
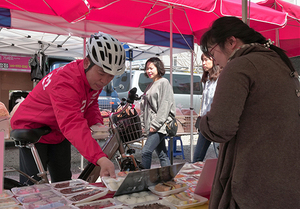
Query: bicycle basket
x=129 y=127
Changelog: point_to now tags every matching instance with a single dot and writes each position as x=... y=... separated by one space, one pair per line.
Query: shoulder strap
x=150 y=105
x=170 y=114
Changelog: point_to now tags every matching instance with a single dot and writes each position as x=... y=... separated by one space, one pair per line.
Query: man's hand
x=107 y=167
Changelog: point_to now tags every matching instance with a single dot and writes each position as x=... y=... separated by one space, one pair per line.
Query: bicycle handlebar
x=132 y=96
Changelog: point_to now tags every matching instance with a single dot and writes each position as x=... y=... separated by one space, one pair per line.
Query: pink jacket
x=64 y=101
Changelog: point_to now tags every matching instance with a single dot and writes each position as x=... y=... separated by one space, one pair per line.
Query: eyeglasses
x=209 y=52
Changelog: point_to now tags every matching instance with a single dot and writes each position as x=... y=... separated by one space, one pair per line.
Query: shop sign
x=14 y=63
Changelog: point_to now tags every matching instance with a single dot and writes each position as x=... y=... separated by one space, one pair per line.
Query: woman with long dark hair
x=209 y=79
x=255 y=117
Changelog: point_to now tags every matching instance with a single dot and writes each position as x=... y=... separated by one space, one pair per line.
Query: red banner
x=15 y=63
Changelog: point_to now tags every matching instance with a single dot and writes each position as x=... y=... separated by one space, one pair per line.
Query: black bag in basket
x=172 y=127
x=129 y=125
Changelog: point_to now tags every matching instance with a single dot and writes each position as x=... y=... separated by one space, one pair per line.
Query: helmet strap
x=90 y=66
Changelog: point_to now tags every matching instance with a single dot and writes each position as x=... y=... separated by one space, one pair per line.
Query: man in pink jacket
x=66 y=100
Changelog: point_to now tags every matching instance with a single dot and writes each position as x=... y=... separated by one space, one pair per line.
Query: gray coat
x=158 y=101
x=255 y=117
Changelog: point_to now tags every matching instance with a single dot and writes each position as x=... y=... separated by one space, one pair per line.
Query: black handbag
x=172 y=126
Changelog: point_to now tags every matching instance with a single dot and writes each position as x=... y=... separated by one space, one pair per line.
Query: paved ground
x=11 y=157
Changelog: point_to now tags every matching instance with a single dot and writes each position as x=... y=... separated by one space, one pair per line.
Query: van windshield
x=181 y=83
x=122 y=82
x=57 y=65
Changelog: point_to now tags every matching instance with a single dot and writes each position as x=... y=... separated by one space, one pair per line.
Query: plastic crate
x=105 y=103
x=187 y=124
x=105 y=114
x=184 y=121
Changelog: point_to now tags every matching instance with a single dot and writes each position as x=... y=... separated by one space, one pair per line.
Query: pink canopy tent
x=78 y=18
x=128 y=20
x=288 y=36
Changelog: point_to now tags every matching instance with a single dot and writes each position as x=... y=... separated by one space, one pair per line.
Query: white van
x=181 y=86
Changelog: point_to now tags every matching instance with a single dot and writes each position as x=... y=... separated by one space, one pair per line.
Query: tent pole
x=171 y=74
x=244 y=11
x=277 y=37
x=84 y=48
x=171 y=45
x=130 y=75
x=40 y=54
x=84 y=55
x=192 y=106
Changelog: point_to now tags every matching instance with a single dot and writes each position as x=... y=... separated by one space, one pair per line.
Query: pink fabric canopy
x=189 y=16
x=288 y=36
x=128 y=19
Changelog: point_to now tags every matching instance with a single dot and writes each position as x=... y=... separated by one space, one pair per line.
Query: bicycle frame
x=27 y=138
x=113 y=144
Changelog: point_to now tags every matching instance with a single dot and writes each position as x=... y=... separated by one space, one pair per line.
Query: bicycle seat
x=27 y=136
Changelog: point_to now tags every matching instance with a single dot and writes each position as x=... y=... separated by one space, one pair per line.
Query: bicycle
x=125 y=131
x=125 y=128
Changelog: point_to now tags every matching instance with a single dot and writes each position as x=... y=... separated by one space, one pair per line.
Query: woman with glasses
x=255 y=117
x=209 y=80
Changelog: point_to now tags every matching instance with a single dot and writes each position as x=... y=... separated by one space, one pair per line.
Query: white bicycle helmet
x=107 y=52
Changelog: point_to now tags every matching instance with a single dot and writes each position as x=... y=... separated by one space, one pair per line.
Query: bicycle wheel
x=10 y=183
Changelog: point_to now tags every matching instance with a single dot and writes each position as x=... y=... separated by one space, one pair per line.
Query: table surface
x=188 y=174
x=110 y=194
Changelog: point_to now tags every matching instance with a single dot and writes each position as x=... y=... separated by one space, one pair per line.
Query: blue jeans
x=201 y=148
x=155 y=141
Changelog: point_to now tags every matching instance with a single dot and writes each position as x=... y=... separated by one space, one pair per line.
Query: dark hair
x=216 y=70
x=225 y=27
x=158 y=64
